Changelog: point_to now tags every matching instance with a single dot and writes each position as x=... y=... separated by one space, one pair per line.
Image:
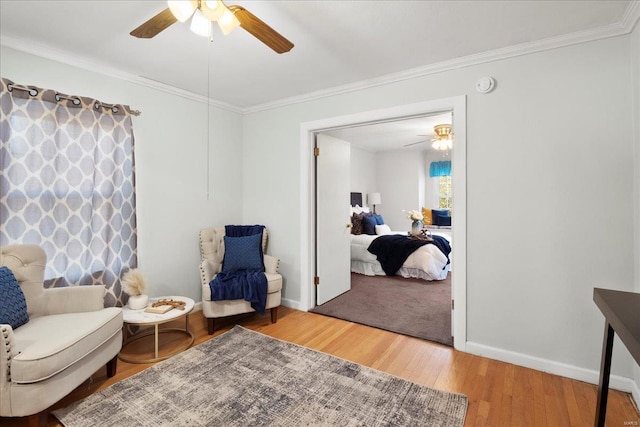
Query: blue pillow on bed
x=441 y=217
x=379 y=220
x=369 y=224
x=243 y=253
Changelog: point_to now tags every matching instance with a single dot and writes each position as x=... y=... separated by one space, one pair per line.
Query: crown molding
x=65 y=57
x=625 y=26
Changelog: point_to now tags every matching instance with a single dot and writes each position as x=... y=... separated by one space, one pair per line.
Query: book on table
x=161 y=309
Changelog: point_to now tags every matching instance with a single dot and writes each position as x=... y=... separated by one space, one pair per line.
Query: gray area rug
x=244 y=378
x=413 y=307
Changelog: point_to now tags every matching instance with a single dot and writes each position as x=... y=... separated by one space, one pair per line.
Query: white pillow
x=358 y=210
x=382 y=229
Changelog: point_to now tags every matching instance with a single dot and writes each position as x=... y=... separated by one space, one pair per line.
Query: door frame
x=458 y=105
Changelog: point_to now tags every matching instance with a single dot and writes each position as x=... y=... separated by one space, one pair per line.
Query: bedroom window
x=67 y=185
x=444 y=186
x=440 y=174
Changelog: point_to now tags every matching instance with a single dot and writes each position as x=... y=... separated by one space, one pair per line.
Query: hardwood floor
x=500 y=394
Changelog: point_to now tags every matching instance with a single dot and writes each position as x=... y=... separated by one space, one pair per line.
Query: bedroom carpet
x=244 y=378
x=411 y=307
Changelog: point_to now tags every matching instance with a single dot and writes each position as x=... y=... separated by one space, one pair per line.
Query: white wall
x=363 y=174
x=537 y=245
x=171 y=166
x=635 y=78
x=401 y=186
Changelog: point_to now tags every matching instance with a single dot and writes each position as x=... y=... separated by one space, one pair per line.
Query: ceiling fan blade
x=414 y=143
x=154 y=25
x=260 y=30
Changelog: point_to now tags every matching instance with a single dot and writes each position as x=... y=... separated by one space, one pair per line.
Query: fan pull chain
x=208 y=159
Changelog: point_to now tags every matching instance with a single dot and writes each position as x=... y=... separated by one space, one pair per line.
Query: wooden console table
x=622 y=315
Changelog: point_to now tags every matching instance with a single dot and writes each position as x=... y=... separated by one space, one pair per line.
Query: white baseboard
x=291 y=303
x=635 y=394
x=616 y=382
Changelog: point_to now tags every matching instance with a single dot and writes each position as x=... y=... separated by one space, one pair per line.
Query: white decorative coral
x=133 y=283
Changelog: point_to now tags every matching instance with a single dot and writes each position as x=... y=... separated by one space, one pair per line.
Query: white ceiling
x=408 y=134
x=337 y=43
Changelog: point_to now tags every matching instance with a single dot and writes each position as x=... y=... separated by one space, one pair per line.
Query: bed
x=427 y=262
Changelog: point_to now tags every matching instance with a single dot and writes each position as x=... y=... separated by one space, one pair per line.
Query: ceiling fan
x=442 y=140
x=204 y=12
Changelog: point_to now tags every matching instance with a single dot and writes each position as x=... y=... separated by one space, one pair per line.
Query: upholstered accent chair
x=69 y=336
x=212 y=252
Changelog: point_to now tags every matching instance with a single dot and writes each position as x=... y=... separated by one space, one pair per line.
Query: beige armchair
x=212 y=252
x=69 y=336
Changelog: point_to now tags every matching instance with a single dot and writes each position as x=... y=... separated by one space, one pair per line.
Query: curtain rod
x=75 y=100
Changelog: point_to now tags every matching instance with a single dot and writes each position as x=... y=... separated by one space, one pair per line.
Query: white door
x=333 y=222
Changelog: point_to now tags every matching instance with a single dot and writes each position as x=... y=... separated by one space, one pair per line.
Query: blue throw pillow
x=13 y=306
x=379 y=220
x=369 y=224
x=243 y=253
x=441 y=217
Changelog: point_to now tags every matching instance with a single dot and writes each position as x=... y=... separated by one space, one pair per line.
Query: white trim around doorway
x=455 y=104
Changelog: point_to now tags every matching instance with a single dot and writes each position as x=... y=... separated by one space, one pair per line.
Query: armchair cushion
x=13 y=306
x=242 y=253
x=49 y=344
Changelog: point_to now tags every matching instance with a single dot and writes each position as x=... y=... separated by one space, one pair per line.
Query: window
x=444 y=197
x=440 y=174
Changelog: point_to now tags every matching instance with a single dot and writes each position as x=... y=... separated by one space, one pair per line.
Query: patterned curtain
x=67 y=184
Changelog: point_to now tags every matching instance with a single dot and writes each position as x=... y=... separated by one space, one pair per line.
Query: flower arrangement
x=415 y=215
x=133 y=283
x=416 y=218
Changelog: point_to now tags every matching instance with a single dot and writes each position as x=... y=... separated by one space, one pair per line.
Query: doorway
x=307 y=224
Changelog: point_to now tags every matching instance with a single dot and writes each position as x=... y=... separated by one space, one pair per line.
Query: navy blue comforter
x=393 y=250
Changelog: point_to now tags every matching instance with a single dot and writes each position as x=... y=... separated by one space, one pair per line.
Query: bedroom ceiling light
x=444 y=138
x=203 y=13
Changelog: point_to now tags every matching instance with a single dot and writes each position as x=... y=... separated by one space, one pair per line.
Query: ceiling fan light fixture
x=200 y=25
x=182 y=9
x=213 y=9
x=228 y=21
x=444 y=138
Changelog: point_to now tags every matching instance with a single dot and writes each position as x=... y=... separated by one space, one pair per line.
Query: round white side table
x=142 y=318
